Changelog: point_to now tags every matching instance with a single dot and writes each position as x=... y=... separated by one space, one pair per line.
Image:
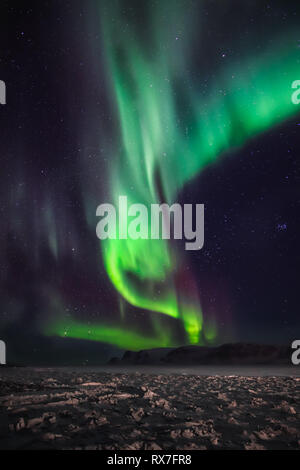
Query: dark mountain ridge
x=232 y=353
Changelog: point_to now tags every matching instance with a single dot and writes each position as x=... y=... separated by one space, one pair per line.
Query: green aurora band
x=161 y=148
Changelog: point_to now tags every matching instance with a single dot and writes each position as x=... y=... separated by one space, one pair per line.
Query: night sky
x=163 y=101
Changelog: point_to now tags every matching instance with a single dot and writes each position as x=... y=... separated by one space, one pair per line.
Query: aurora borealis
x=148 y=100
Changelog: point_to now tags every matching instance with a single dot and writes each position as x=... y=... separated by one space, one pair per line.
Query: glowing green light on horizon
x=117 y=336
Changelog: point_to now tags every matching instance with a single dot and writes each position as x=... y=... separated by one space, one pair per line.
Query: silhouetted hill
x=238 y=353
